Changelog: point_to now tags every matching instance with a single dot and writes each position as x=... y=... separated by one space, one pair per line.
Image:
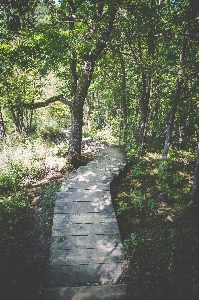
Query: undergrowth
x=31 y=171
x=159 y=227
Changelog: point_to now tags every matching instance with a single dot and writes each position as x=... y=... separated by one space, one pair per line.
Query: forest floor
x=160 y=236
x=160 y=230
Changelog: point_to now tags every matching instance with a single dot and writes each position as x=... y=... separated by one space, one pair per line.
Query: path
x=86 y=253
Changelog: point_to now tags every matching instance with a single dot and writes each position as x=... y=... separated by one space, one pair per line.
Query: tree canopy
x=136 y=63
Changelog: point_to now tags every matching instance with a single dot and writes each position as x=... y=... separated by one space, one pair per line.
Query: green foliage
x=138 y=168
x=48 y=193
x=17 y=14
x=59 y=111
x=132 y=148
x=172 y=173
x=160 y=236
x=15 y=205
x=142 y=59
x=130 y=244
x=9 y=182
x=133 y=203
x=25 y=159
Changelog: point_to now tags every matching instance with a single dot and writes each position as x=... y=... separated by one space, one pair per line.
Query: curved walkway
x=86 y=253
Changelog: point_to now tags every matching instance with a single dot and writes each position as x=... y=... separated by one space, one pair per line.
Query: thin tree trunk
x=177 y=92
x=123 y=104
x=168 y=139
x=145 y=107
x=2 y=127
x=182 y=144
x=155 y=112
x=147 y=82
x=195 y=187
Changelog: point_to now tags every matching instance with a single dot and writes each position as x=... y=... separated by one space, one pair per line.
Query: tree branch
x=36 y=105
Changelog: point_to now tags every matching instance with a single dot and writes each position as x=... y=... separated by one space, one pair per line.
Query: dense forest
x=123 y=72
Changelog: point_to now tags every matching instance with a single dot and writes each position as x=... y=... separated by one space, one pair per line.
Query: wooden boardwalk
x=86 y=253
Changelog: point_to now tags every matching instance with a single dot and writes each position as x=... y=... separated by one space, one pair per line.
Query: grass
x=159 y=227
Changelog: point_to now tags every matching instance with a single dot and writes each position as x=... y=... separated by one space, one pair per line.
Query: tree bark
x=87 y=112
x=195 y=187
x=77 y=118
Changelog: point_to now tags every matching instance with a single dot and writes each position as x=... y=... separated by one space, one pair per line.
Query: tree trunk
x=2 y=127
x=195 y=187
x=81 y=85
x=87 y=113
x=17 y=116
x=155 y=112
x=147 y=81
x=145 y=107
x=77 y=118
x=123 y=103
x=168 y=139
x=174 y=105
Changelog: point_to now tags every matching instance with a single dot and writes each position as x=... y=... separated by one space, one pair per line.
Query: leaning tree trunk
x=2 y=127
x=195 y=187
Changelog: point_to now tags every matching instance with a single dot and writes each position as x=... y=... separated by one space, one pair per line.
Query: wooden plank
x=87 y=253
x=86 y=229
x=99 y=176
x=84 y=207
x=62 y=259
x=89 y=183
x=98 y=187
x=86 y=195
x=103 y=292
x=60 y=220
x=82 y=274
x=86 y=241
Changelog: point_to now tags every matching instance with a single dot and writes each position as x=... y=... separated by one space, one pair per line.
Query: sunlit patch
x=169 y=218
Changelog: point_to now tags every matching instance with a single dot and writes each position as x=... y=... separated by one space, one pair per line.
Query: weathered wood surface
x=81 y=274
x=86 y=229
x=104 y=292
x=86 y=244
x=86 y=241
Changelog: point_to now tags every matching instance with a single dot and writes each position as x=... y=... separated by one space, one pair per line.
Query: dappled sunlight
x=101 y=205
x=86 y=244
x=157 y=221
